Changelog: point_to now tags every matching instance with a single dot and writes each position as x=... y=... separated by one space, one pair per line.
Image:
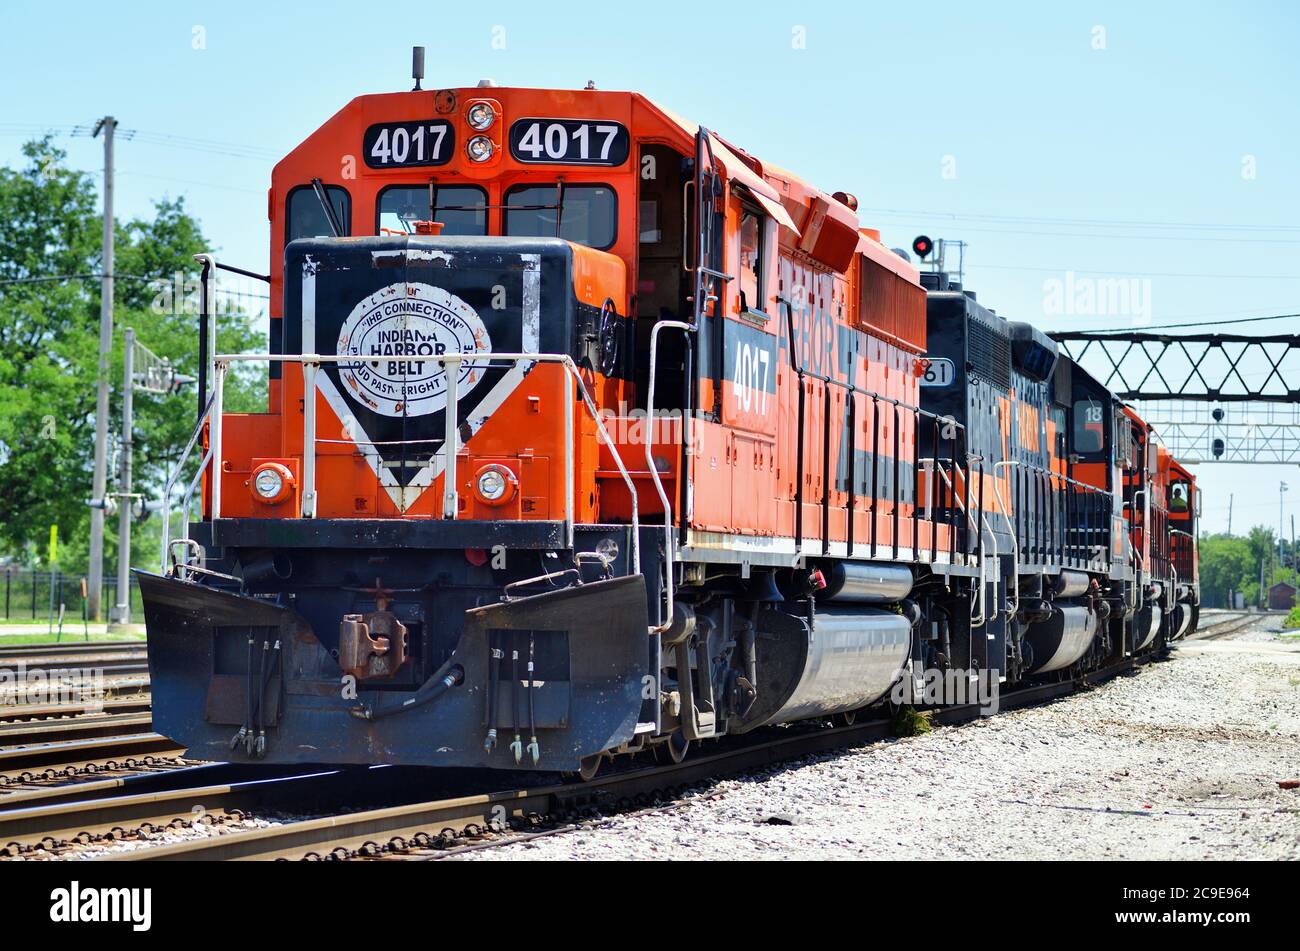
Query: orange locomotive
x=588 y=432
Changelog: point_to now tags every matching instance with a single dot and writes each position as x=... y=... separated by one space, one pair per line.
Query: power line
x=1133 y=237
x=191 y=181
x=1183 y=274
x=120 y=277
x=1203 y=323
x=1081 y=222
x=191 y=142
x=164 y=139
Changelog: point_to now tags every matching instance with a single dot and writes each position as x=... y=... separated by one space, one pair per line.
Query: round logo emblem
x=394 y=334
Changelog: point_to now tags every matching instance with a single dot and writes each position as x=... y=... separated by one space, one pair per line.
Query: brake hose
x=431 y=689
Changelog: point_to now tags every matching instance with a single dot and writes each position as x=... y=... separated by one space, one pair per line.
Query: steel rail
x=75 y=647
x=115 y=683
x=63 y=821
x=62 y=712
x=73 y=728
x=1223 y=628
x=80 y=752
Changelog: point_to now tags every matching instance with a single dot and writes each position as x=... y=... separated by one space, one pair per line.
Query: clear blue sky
x=1064 y=153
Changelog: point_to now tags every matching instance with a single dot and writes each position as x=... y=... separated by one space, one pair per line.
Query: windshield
x=460 y=208
x=590 y=213
x=1089 y=426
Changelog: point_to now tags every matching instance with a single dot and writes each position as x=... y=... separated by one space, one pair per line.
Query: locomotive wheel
x=677 y=747
x=589 y=767
x=847 y=718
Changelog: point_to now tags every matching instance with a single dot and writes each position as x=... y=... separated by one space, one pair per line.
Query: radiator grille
x=989 y=353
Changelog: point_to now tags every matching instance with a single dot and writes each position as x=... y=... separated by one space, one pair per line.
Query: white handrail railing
x=175 y=474
x=311 y=363
x=669 y=546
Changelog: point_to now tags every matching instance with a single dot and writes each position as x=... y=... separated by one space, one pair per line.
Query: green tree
x=1263 y=543
x=49 y=336
x=1227 y=565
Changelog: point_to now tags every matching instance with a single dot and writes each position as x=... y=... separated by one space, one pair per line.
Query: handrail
x=1015 y=542
x=188 y=496
x=176 y=472
x=853 y=390
x=207 y=323
x=669 y=546
x=1179 y=552
x=311 y=363
x=975 y=525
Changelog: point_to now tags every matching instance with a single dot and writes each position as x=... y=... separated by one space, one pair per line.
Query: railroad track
x=217 y=805
x=59 y=712
x=438 y=827
x=85 y=727
x=61 y=681
x=60 y=819
x=68 y=753
x=1221 y=625
x=32 y=710
x=109 y=655
x=112 y=810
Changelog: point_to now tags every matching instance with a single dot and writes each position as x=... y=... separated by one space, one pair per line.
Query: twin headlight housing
x=480 y=117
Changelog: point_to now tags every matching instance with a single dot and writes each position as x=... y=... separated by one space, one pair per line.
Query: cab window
x=589 y=215
x=1180 y=496
x=750 y=238
x=462 y=209
x=305 y=218
x=1089 y=426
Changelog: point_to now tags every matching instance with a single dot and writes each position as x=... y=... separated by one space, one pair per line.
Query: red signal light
x=922 y=246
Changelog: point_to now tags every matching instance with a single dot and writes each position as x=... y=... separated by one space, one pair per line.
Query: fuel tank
x=1062 y=639
x=1071 y=584
x=866 y=583
x=847 y=658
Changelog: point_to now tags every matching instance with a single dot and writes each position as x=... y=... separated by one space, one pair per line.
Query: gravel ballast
x=1180 y=760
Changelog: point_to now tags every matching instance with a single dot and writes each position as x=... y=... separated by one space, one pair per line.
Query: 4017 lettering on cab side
x=590 y=432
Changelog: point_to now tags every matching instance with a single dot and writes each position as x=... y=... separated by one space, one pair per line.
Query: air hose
x=431 y=689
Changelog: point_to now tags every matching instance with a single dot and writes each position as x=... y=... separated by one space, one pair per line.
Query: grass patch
x=69 y=637
x=908 y=721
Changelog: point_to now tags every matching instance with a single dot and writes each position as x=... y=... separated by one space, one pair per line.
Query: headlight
x=268 y=483
x=495 y=484
x=480 y=116
x=492 y=485
x=271 y=483
x=480 y=148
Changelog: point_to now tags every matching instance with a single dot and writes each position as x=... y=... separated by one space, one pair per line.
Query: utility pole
x=1229 y=513
x=125 y=511
x=107 y=125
